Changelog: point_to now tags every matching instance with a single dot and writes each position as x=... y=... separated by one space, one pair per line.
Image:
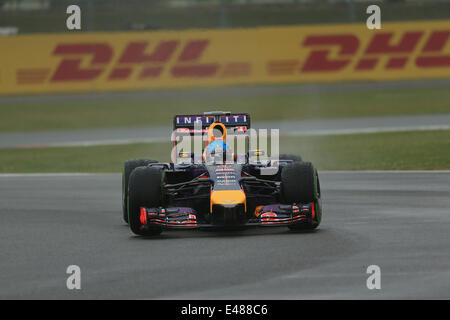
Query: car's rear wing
x=235 y=121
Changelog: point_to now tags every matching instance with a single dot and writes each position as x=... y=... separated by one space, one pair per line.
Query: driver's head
x=218 y=152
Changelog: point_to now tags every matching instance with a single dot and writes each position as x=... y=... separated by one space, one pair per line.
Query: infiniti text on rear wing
x=186 y=122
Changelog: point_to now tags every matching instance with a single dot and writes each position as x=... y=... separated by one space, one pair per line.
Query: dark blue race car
x=219 y=188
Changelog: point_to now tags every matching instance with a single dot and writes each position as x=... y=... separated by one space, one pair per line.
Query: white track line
x=367 y=130
x=31 y=175
x=92 y=143
x=290 y=134
x=383 y=171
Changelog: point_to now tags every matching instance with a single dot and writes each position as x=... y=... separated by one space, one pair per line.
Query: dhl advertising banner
x=174 y=59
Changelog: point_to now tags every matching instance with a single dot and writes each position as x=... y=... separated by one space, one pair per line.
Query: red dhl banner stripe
x=166 y=59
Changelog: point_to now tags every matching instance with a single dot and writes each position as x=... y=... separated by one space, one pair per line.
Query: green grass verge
x=381 y=151
x=123 y=113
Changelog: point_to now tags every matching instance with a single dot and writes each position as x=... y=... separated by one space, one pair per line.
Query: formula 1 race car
x=216 y=190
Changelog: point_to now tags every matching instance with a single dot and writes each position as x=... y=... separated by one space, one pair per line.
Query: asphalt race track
x=399 y=221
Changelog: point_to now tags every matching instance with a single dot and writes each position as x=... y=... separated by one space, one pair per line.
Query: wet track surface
x=399 y=221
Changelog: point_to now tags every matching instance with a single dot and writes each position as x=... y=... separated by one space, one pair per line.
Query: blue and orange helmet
x=217 y=152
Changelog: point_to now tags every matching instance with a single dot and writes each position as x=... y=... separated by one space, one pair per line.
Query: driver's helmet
x=218 y=152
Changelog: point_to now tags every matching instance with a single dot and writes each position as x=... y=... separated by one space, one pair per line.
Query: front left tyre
x=300 y=184
x=144 y=190
x=128 y=167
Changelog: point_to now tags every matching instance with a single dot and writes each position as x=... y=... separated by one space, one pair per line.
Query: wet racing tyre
x=292 y=157
x=300 y=184
x=144 y=190
x=128 y=167
x=283 y=156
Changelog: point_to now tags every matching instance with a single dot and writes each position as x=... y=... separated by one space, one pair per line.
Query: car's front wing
x=265 y=216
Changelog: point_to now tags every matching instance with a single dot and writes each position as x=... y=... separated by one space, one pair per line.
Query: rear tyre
x=292 y=157
x=128 y=167
x=144 y=190
x=300 y=184
x=277 y=175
